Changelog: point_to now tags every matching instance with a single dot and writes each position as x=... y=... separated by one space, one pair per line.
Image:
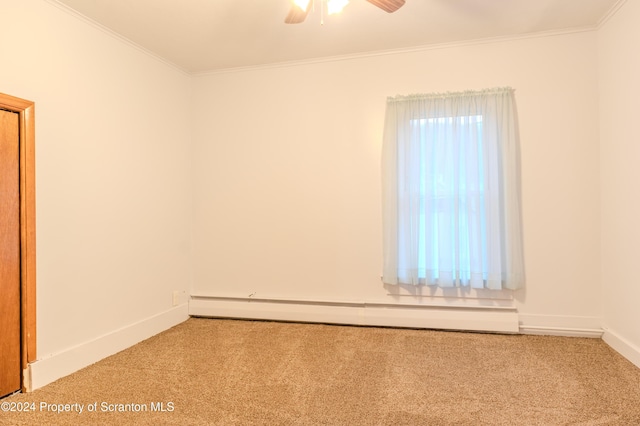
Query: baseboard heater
x=476 y=318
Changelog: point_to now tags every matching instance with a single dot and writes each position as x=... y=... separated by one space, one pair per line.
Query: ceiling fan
x=300 y=8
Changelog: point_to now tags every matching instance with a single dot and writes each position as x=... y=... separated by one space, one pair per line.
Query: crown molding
x=414 y=49
x=610 y=13
x=363 y=55
x=115 y=35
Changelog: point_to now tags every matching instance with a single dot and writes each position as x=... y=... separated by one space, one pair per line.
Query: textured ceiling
x=208 y=35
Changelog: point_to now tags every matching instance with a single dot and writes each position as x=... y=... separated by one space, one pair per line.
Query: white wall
x=112 y=175
x=287 y=172
x=619 y=71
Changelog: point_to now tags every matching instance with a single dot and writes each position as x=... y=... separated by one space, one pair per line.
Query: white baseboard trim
x=622 y=346
x=47 y=370
x=556 y=325
x=494 y=319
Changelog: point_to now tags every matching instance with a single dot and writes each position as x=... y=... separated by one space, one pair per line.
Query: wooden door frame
x=26 y=112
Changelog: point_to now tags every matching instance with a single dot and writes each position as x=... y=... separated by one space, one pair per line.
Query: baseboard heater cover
x=487 y=319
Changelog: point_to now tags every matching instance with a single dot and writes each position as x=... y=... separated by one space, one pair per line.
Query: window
x=451 y=191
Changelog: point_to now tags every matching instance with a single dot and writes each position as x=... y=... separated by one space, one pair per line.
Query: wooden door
x=10 y=289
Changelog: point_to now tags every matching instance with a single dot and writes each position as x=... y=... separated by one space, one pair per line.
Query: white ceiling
x=207 y=35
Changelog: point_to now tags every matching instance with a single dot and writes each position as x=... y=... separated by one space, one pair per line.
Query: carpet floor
x=230 y=372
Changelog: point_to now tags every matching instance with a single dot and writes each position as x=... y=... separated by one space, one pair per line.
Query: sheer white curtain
x=451 y=190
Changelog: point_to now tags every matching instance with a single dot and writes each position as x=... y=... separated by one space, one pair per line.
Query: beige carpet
x=226 y=372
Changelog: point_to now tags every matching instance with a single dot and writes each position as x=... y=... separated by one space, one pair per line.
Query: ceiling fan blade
x=388 y=6
x=296 y=15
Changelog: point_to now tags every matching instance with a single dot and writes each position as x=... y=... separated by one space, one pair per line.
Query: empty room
x=323 y=212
